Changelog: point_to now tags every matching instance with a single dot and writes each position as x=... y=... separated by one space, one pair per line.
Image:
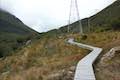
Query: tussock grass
x=105 y=40
x=41 y=58
x=49 y=55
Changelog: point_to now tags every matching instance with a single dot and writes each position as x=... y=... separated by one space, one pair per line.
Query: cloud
x=44 y=15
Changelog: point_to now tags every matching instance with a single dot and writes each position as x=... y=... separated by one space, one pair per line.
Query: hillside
x=107 y=19
x=11 y=33
x=50 y=57
x=10 y=23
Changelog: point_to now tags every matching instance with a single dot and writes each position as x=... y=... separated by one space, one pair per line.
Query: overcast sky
x=44 y=15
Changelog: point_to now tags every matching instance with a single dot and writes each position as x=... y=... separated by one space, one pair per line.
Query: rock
x=109 y=55
x=28 y=42
x=54 y=76
x=5 y=73
x=73 y=68
x=60 y=37
x=63 y=74
x=97 y=69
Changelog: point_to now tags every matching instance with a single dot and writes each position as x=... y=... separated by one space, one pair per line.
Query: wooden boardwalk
x=84 y=70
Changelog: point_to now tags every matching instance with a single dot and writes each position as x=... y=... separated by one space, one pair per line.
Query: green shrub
x=84 y=37
x=115 y=24
x=5 y=50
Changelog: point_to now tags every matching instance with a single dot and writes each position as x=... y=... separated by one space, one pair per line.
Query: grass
x=11 y=33
x=100 y=39
x=40 y=59
x=10 y=42
x=51 y=54
x=105 y=40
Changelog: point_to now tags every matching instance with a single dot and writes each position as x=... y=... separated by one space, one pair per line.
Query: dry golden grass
x=102 y=39
x=41 y=58
x=50 y=55
x=105 y=40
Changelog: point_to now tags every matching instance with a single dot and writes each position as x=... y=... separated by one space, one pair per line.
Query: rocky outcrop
x=108 y=68
x=109 y=55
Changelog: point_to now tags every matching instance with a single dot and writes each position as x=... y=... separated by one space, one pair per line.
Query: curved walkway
x=84 y=70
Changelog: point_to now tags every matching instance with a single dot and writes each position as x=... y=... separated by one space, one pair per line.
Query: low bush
x=116 y=24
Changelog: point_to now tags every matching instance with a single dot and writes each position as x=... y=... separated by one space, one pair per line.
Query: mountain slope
x=13 y=33
x=10 y=23
x=52 y=58
x=106 y=19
